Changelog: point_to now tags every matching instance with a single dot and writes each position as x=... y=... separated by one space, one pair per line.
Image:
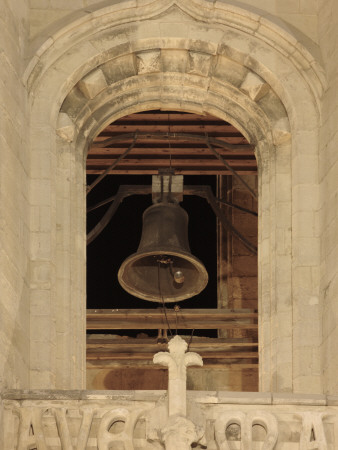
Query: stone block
x=40 y=192
x=119 y=69
x=40 y=302
x=39 y=4
x=40 y=379
x=254 y=86
x=40 y=357
x=42 y=332
x=298 y=399
x=241 y=398
x=281 y=131
x=287 y=6
x=306 y=197
x=148 y=62
x=174 y=60
x=303 y=224
x=305 y=169
x=65 y=127
x=307 y=251
x=40 y=275
x=65 y=4
x=309 y=383
x=92 y=84
x=40 y=166
x=199 y=63
x=283 y=210
x=283 y=191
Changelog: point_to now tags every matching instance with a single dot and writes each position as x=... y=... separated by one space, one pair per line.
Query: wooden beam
x=171 y=137
x=160 y=149
x=147 y=319
x=134 y=160
x=213 y=130
x=97 y=364
x=178 y=171
x=197 y=344
x=149 y=355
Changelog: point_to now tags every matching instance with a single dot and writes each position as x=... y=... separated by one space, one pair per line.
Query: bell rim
x=191 y=258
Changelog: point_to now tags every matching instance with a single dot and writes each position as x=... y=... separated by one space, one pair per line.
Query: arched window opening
x=207 y=152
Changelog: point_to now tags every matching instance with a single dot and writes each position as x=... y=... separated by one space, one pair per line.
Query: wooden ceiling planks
x=170 y=139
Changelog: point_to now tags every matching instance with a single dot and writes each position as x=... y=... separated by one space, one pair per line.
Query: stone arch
x=227 y=62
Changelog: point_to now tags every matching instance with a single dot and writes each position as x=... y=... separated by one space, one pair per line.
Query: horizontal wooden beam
x=147 y=319
x=231 y=366
x=196 y=344
x=212 y=128
x=158 y=149
x=108 y=355
x=169 y=116
x=178 y=171
x=169 y=137
x=133 y=160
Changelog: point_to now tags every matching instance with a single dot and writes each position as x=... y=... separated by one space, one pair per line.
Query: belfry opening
x=213 y=174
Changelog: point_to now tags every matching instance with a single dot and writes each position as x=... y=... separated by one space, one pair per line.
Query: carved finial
x=179 y=432
x=177 y=361
x=177 y=345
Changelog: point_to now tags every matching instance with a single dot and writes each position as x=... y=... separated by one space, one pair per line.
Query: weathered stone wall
x=300 y=14
x=328 y=172
x=14 y=212
x=14 y=201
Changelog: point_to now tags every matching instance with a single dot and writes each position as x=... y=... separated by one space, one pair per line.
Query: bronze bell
x=163 y=268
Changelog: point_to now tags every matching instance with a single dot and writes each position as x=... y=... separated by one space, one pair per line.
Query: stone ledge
x=299 y=399
x=205 y=397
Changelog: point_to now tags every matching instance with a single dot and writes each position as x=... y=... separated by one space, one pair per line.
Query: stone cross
x=177 y=361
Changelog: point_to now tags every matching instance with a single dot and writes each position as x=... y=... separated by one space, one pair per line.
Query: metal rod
x=200 y=191
x=232 y=205
x=206 y=192
x=112 y=166
x=122 y=193
x=235 y=174
x=174 y=136
x=98 y=205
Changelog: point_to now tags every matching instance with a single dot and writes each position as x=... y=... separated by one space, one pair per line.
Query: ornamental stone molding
x=126 y=419
x=98 y=18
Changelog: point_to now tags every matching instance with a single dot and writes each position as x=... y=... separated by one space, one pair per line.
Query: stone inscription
x=95 y=427
x=246 y=422
x=37 y=430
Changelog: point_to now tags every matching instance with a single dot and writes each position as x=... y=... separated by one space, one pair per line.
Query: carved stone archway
x=191 y=56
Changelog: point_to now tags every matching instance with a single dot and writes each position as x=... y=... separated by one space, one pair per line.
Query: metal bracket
x=200 y=191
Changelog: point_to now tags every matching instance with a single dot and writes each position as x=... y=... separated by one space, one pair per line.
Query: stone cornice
x=200 y=397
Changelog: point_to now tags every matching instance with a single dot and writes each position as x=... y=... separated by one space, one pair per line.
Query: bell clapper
x=178 y=274
x=179 y=277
